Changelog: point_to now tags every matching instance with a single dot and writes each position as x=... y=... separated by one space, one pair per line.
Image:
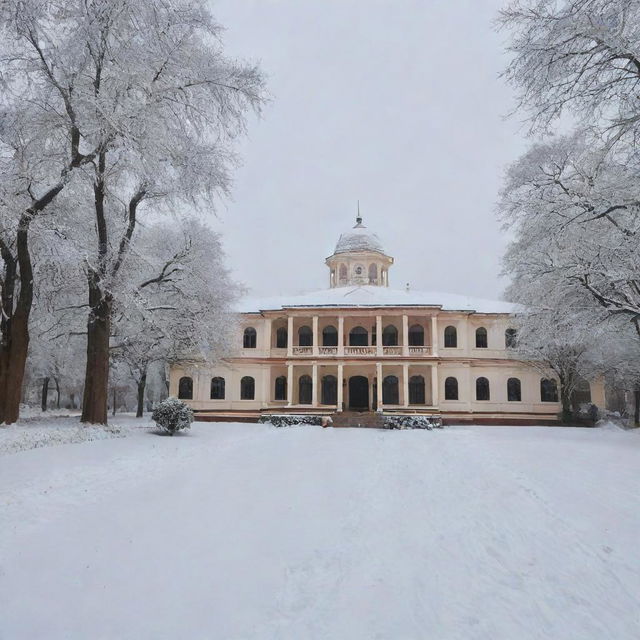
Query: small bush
x=412 y=422
x=290 y=420
x=172 y=415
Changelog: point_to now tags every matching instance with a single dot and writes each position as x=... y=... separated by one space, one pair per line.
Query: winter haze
x=399 y=105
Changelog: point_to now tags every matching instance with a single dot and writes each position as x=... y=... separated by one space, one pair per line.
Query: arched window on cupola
x=373 y=273
x=249 y=338
x=343 y=273
x=358 y=337
x=281 y=338
x=305 y=336
x=416 y=336
x=390 y=336
x=330 y=336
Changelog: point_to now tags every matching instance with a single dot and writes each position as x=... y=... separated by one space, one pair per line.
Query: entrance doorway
x=359 y=393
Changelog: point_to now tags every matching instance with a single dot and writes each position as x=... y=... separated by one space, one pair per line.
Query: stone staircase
x=364 y=419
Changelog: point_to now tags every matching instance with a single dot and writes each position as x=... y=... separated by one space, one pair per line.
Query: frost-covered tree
x=145 y=102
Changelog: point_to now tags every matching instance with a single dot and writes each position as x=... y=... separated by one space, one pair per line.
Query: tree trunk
x=142 y=383
x=96 y=385
x=57 y=392
x=636 y=398
x=45 y=394
x=115 y=400
x=565 y=399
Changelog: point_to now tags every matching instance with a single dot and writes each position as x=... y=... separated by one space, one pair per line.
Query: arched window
x=373 y=273
x=450 y=337
x=451 y=389
x=329 y=390
x=343 y=272
x=416 y=390
x=390 y=393
x=481 y=338
x=305 y=336
x=510 y=337
x=249 y=339
x=482 y=389
x=514 y=390
x=390 y=336
x=581 y=393
x=548 y=390
x=281 y=338
x=330 y=337
x=281 y=388
x=217 y=388
x=247 y=388
x=185 y=388
x=305 y=389
x=416 y=336
x=358 y=337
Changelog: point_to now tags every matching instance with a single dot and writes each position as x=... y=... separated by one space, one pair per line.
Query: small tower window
x=373 y=274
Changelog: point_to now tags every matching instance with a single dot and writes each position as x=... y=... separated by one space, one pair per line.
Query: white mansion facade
x=361 y=346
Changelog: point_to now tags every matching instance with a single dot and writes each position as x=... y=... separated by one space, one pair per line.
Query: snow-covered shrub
x=172 y=415
x=290 y=420
x=412 y=422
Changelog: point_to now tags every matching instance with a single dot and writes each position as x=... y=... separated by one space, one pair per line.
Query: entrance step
x=362 y=419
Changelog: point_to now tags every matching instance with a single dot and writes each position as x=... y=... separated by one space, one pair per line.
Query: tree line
x=119 y=122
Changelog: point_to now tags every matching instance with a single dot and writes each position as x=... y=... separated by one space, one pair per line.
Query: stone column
x=340 y=335
x=379 y=386
x=405 y=384
x=340 y=386
x=435 y=400
x=379 y=350
x=289 y=336
x=289 y=385
x=434 y=336
x=314 y=385
x=315 y=335
x=266 y=385
x=267 y=336
x=405 y=335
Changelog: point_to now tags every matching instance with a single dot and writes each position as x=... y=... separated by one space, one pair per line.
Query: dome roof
x=359 y=239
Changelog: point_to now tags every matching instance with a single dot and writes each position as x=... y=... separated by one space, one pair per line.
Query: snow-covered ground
x=242 y=531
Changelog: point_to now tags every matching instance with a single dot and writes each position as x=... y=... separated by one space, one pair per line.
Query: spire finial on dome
x=358 y=217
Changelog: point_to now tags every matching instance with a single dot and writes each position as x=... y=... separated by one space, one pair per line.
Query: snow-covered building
x=362 y=346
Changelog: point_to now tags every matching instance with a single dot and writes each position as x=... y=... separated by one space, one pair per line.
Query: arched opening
x=329 y=393
x=330 y=337
x=450 y=337
x=416 y=336
x=282 y=338
x=358 y=337
x=373 y=273
x=343 y=273
x=514 y=390
x=358 y=393
x=451 y=389
x=281 y=388
x=416 y=390
x=247 y=388
x=390 y=391
x=482 y=389
x=481 y=338
x=185 y=388
x=581 y=394
x=305 y=336
x=390 y=336
x=510 y=338
x=548 y=390
x=305 y=389
x=249 y=338
x=217 y=388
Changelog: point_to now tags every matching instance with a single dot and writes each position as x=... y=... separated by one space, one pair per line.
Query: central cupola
x=359 y=259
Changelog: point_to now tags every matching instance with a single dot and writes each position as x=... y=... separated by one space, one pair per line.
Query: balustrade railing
x=396 y=350
x=302 y=351
x=419 y=351
x=392 y=351
x=360 y=351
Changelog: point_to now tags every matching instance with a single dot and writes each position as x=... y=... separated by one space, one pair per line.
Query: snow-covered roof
x=373 y=296
x=359 y=239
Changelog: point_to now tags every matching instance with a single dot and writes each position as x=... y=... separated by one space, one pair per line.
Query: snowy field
x=241 y=531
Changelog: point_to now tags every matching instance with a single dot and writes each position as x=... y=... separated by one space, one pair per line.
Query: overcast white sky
x=397 y=104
